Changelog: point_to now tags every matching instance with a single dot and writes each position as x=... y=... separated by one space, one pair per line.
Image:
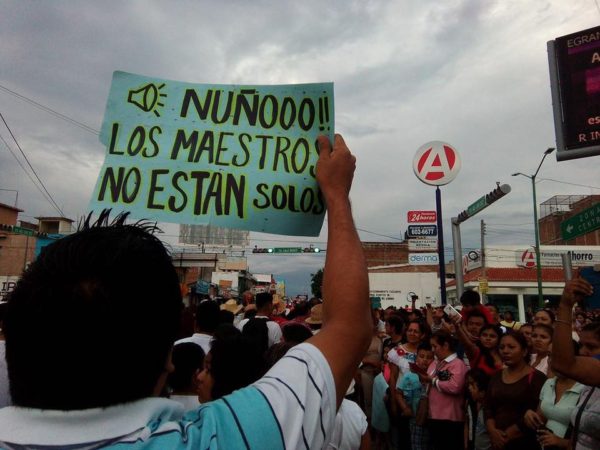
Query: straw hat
x=232 y=306
x=316 y=315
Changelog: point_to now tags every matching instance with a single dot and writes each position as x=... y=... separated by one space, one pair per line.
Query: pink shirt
x=446 y=398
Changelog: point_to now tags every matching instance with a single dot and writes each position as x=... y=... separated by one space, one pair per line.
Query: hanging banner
x=225 y=155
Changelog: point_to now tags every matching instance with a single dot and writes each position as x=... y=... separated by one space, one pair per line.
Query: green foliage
x=316 y=283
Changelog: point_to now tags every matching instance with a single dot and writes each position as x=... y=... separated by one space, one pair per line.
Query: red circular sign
x=436 y=163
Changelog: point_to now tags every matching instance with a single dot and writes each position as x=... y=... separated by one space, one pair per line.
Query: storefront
x=509 y=279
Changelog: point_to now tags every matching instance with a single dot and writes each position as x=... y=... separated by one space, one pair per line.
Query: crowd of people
x=99 y=354
x=481 y=380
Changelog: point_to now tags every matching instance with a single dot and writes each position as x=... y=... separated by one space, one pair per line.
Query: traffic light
x=463 y=216
x=311 y=249
x=497 y=194
x=262 y=250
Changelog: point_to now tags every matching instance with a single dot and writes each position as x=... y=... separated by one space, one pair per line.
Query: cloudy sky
x=469 y=72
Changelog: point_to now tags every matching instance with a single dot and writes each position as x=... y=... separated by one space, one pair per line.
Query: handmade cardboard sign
x=225 y=155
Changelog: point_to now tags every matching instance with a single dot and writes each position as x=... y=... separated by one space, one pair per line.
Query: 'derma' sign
x=224 y=155
x=575 y=84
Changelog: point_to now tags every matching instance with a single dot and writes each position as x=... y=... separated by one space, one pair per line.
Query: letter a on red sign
x=436 y=163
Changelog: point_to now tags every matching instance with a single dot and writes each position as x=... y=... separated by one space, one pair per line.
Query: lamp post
x=538 y=264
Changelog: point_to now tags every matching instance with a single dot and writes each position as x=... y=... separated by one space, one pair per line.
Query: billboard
x=574 y=62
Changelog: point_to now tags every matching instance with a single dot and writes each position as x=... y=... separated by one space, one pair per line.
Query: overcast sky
x=472 y=73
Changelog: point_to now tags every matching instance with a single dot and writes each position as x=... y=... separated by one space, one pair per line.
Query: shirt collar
x=450 y=358
x=30 y=426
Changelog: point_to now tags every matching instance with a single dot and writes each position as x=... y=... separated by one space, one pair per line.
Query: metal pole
x=458 y=267
x=567 y=267
x=438 y=207
x=538 y=263
x=483 y=294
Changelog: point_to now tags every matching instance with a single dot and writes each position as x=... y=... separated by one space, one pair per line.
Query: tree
x=316 y=282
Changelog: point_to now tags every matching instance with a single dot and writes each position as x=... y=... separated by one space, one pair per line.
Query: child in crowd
x=476 y=432
x=410 y=391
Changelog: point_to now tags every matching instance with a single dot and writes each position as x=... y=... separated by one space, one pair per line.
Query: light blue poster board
x=225 y=155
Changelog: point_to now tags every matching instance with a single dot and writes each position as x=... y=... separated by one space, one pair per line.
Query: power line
x=377 y=234
x=25 y=170
x=31 y=167
x=566 y=182
x=50 y=111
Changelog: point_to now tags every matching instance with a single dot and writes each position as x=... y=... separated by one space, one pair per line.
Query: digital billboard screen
x=575 y=81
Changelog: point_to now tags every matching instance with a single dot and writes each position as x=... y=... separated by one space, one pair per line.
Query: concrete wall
x=393 y=288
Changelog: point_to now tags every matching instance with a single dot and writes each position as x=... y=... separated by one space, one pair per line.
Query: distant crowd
x=428 y=380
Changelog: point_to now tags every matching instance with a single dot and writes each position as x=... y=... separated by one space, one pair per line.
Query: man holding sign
x=87 y=351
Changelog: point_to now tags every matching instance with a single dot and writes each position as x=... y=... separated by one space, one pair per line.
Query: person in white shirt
x=264 y=309
x=207 y=320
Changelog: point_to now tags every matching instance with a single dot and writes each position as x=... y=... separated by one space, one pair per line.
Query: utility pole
x=483 y=274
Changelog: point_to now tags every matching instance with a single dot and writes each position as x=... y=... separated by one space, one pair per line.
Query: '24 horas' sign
x=224 y=155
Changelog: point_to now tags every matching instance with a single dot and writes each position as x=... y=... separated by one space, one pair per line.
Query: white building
x=511 y=274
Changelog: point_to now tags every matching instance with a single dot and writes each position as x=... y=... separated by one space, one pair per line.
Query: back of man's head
x=208 y=316
x=263 y=300
x=92 y=320
x=470 y=298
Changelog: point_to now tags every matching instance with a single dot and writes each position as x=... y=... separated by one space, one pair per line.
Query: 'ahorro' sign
x=225 y=155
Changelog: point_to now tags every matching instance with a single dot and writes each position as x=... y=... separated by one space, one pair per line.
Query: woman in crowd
x=483 y=354
x=558 y=399
x=526 y=330
x=511 y=392
x=544 y=316
x=446 y=379
x=585 y=368
x=541 y=340
x=400 y=359
x=406 y=353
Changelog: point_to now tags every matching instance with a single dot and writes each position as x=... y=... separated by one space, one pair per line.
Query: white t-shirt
x=201 y=339
x=350 y=426
x=274 y=329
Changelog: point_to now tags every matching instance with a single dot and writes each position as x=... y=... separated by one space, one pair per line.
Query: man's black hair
x=263 y=299
x=257 y=331
x=396 y=323
x=236 y=362
x=477 y=313
x=208 y=316
x=91 y=321
x=187 y=358
x=295 y=333
x=424 y=345
x=226 y=316
x=470 y=298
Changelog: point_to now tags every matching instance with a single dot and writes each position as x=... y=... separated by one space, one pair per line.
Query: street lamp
x=538 y=264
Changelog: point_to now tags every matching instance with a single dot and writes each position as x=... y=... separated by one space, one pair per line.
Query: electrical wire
x=50 y=111
x=52 y=202
x=25 y=170
x=566 y=182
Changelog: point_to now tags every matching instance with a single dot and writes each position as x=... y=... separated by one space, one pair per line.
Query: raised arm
x=583 y=369
x=346 y=308
x=465 y=338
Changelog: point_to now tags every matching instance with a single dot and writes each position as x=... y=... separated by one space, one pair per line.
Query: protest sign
x=225 y=155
